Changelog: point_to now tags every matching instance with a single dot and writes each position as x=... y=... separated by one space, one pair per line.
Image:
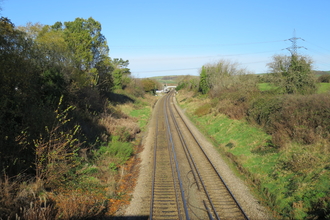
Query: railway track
x=186 y=185
x=167 y=199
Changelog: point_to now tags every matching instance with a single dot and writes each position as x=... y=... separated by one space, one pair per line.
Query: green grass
x=266 y=86
x=292 y=182
x=324 y=87
x=142 y=115
x=236 y=137
x=169 y=80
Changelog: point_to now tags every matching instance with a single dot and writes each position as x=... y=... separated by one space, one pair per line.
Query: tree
x=85 y=40
x=293 y=74
x=121 y=73
x=149 y=85
x=105 y=69
x=20 y=104
x=220 y=76
x=203 y=85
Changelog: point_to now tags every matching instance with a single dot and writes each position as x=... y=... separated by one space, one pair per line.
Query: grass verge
x=293 y=181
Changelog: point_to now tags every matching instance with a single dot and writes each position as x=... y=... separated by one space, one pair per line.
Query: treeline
x=39 y=65
x=292 y=112
x=59 y=91
x=235 y=92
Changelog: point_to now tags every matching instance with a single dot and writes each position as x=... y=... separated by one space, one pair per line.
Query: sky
x=178 y=37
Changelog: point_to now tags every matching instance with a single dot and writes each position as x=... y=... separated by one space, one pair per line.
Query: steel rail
x=154 y=172
x=175 y=158
x=214 y=168
x=173 y=165
x=194 y=166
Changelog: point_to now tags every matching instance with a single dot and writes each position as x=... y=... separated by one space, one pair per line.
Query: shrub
x=304 y=119
x=324 y=78
x=203 y=110
x=293 y=74
x=234 y=101
x=188 y=82
x=56 y=154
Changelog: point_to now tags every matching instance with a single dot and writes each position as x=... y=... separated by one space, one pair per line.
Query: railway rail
x=186 y=184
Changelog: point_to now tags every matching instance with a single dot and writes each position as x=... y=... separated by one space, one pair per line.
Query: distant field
x=265 y=86
x=324 y=87
x=169 y=80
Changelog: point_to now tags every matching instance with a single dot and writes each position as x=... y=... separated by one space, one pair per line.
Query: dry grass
x=125 y=128
x=23 y=200
x=80 y=205
x=204 y=109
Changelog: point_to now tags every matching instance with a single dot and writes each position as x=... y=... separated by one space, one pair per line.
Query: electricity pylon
x=294 y=47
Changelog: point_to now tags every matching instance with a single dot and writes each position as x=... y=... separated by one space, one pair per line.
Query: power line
x=318 y=46
x=199 y=57
x=190 y=46
x=170 y=70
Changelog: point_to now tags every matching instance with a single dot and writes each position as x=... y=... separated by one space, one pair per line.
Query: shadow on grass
x=118 y=98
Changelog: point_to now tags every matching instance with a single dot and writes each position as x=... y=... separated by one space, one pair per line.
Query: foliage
x=266 y=87
x=293 y=74
x=168 y=80
x=203 y=110
x=84 y=39
x=188 y=82
x=56 y=153
x=46 y=165
x=203 y=84
x=324 y=78
x=304 y=119
x=149 y=85
x=120 y=73
x=221 y=75
x=22 y=97
x=292 y=180
x=120 y=150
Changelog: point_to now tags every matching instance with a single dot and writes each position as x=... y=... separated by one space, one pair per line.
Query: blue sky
x=177 y=37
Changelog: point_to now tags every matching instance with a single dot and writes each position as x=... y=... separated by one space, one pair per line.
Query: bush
x=304 y=119
x=188 y=82
x=324 y=78
x=234 y=101
x=203 y=110
x=293 y=74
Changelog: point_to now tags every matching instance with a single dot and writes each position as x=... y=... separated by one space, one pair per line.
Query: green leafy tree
x=105 y=72
x=203 y=85
x=86 y=42
x=117 y=79
x=293 y=74
x=21 y=68
x=149 y=85
x=188 y=82
x=121 y=73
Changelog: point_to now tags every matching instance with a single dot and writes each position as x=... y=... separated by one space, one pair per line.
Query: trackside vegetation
x=69 y=125
x=275 y=133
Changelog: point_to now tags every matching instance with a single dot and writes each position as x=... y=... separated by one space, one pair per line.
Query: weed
x=203 y=110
